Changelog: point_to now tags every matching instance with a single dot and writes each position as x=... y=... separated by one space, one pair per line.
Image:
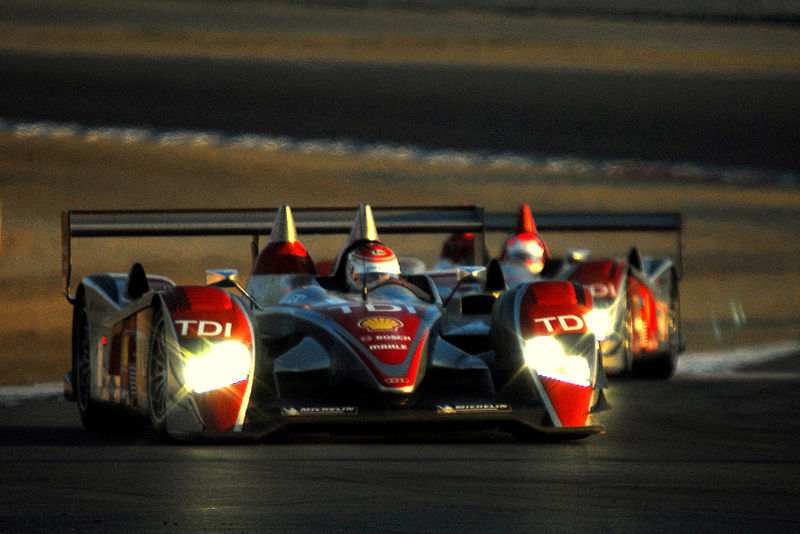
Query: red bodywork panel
x=644 y=313
x=602 y=278
x=284 y=258
x=550 y=308
x=220 y=408
x=385 y=335
x=570 y=401
x=207 y=312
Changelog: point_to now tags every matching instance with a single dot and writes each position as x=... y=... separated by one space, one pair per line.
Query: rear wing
x=667 y=222
x=258 y=222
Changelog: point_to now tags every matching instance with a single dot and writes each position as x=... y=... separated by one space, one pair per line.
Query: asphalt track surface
x=726 y=120
x=693 y=454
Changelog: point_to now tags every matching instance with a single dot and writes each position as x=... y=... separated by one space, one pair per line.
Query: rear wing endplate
x=258 y=222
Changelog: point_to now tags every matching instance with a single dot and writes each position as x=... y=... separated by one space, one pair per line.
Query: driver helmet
x=370 y=262
x=526 y=248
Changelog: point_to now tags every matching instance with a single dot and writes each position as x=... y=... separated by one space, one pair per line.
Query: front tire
x=158 y=371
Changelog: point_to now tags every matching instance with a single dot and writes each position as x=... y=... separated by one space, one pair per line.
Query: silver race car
x=365 y=346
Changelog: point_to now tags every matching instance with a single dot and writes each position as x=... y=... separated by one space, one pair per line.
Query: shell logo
x=380 y=323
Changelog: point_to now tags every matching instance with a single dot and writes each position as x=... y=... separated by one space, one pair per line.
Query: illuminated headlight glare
x=599 y=322
x=576 y=370
x=546 y=356
x=224 y=364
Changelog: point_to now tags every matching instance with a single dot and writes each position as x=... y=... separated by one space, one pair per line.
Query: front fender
x=532 y=317
x=201 y=318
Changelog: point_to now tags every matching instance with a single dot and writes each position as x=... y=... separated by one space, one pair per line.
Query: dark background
x=725 y=120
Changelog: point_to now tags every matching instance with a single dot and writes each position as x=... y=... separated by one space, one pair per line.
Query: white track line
x=559 y=164
x=18 y=394
x=733 y=361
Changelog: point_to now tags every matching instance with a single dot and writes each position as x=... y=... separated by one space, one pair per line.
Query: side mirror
x=578 y=255
x=472 y=272
x=226 y=278
x=222 y=277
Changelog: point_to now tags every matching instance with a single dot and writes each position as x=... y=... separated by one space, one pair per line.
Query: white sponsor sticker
x=292 y=411
x=472 y=408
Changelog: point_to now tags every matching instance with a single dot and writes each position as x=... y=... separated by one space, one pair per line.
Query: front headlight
x=599 y=321
x=222 y=365
x=546 y=356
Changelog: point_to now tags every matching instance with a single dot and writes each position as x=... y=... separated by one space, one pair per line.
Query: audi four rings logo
x=396 y=380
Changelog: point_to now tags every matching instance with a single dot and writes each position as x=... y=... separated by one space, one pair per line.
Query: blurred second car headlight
x=599 y=321
x=223 y=364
